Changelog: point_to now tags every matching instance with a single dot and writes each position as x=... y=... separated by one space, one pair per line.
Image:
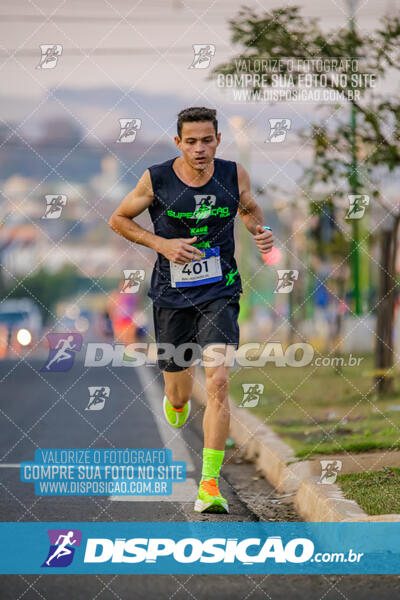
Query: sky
x=161 y=31
x=143 y=47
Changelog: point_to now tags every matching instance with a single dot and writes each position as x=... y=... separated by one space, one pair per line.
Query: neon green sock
x=212 y=462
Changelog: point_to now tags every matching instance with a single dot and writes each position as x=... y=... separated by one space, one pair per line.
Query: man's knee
x=218 y=380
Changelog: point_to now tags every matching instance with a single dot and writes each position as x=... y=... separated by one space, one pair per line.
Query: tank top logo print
x=205 y=206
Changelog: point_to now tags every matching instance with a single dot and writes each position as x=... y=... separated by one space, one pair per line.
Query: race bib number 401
x=197 y=272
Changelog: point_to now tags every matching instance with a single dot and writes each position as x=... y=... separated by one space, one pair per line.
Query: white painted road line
x=171 y=439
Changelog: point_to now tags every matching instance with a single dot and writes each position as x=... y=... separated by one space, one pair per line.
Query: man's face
x=198 y=144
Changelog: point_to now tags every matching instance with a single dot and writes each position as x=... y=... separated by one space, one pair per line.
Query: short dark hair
x=197 y=113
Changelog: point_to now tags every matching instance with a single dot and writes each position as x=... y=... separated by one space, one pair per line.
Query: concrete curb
x=313 y=501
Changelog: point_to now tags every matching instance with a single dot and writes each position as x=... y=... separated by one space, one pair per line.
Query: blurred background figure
x=122 y=308
x=107 y=328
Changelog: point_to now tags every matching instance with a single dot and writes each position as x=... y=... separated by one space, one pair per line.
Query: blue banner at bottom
x=209 y=548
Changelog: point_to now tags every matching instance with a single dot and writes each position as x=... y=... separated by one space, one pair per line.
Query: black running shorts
x=211 y=322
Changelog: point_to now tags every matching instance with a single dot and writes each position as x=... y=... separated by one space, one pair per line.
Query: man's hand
x=179 y=250
x=264 y=239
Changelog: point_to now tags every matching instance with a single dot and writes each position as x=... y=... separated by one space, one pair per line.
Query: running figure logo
x=62 y=547
x=62 y=351
x=278 y=129
x=133 y=279
x=50 y=55
x=97 y=397
x=129 y=128
x=286 y=279
x=230 y=277
x=54 y=206
x=357 y=205
x=204 y=204
x=203 y=54
x=251 y=394
x=329 y=470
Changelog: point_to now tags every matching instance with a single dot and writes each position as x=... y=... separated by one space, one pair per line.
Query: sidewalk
x=314 y=501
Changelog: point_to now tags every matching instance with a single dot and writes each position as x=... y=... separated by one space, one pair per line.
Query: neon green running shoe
x=209 y=498
x=176 y=417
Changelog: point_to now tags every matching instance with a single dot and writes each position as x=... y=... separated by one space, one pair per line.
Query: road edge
x=314 y=502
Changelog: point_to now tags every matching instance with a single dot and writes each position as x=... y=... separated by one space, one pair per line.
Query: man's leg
x=178 y=389
x=179 y=386
x=216 y=415
x=216 y=428
x=175 y=326
x=218 y=332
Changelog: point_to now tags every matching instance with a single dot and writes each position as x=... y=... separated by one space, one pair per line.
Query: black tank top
x=208 y=211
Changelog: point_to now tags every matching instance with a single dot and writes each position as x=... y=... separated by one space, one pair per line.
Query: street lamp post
x=241 y=136
x=353 y=178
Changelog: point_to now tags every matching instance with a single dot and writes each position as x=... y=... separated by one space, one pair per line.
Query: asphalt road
x=47 y=410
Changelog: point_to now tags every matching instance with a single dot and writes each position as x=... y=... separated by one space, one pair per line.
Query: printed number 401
x=197 y=267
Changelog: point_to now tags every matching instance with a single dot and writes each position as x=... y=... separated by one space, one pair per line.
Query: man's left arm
x=251 y=214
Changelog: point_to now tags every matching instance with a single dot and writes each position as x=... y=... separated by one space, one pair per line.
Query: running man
x=195 y=286
x=62 y=353
x=56 y=205
x=62 y=549
x=98 y=396
x=49 y=56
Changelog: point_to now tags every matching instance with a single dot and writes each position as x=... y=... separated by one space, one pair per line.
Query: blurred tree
x=46 y=288
x=284 y=35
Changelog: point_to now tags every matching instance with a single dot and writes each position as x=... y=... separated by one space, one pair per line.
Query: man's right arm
x=178 y=250
x=134 y=203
